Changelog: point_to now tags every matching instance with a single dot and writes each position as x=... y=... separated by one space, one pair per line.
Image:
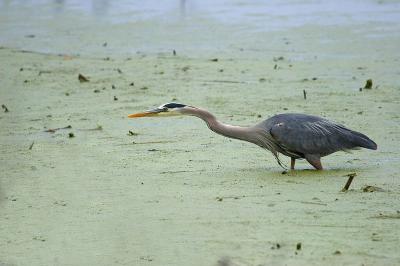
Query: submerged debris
x=82 y=78
x=372 y=189
x=71 y=135
x=388 y=215
x=60 y=203
x=31 y=146
x=131 y=133
x=225 y=261
x=279 y=58
x=298 y=246
x=368 y=84
x=276 y=246
x=305 y=94
x=376 y=237
x=4 y=108
x=99 y=127
x=39 y=238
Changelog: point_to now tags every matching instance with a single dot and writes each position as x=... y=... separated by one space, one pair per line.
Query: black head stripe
x=174 y=105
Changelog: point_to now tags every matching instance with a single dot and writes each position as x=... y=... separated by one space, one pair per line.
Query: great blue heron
x=295 y=135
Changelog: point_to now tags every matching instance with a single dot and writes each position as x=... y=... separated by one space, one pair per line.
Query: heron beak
x=153 y=112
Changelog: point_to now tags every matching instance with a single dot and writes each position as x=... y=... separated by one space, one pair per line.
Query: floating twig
x=52 y=130
x=44 y=72
x=99 y=127
x=146 y=142
x=31 y=146
x=225 y=81
x=309 y=202
x=388 y=216
x=229 y=197
x=305 y=94
x=177 y=172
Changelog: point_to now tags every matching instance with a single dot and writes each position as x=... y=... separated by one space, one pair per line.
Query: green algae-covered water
x=113 y=191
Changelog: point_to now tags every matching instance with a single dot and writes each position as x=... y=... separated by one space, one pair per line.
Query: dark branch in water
x=348 y=183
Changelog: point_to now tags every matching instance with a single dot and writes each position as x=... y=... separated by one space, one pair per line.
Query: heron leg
x=292 y=162
x=315 y=161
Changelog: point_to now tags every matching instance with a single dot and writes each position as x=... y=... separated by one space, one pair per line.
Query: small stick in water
x=31 y=146
x=305 y=94
x=52 y=130
x=348 y=183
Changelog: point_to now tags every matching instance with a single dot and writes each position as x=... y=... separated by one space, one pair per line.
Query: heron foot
x=315 y=161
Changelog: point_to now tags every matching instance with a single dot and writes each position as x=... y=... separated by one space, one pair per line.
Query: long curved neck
x=235 y=132
x=255 y=134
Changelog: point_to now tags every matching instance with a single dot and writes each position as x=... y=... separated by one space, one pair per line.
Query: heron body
x=312 y=137
x=298 y=136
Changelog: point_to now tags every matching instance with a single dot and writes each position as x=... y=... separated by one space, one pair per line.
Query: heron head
x=168 y=109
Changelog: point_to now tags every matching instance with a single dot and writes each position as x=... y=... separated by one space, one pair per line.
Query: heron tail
x=360 y=140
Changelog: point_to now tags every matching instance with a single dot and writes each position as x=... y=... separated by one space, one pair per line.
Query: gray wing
x=313 y=135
